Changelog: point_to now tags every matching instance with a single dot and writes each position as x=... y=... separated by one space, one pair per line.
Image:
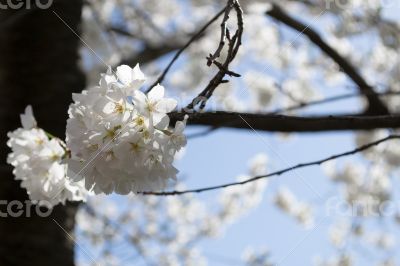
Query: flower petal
x=139 y=99
x=166 y=105
x=137 y=74
x=124 y=74
x=156 y=93
x=28 y=121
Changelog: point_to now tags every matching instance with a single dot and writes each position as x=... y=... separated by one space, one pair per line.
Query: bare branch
x=129 y=238
x=376 y=106
x=301 y=105
x=297 y=107
x=221 y=44
x=234 y=42
x=277 y=173
x=121 y=31
x=282 y=123
x=178 y=53
x=150 y=53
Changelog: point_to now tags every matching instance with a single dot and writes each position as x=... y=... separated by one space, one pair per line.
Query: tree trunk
x=38 y=66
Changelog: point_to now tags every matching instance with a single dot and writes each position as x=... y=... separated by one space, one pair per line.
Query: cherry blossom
x=38 y=163
x=119 y=137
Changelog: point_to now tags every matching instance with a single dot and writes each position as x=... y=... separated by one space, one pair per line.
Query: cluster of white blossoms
x=37 y=160
x=365 y=192
x=288 y=203
x=254 y=257
x=343 y=259
x=119 y=137
x=233 y=202
x=118 y=140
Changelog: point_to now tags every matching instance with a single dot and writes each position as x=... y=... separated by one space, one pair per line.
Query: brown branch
x=234 y=42
x=183 y=48
x=298 y=107
x=221 y=44
x=282 y=123
x=376 y=106
x=346 y=96
x=277 y=173
x=121 y=31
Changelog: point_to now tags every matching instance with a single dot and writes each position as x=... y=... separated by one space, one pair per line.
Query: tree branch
x=335 y=98
x=277 y=173
x=376 y=106
x=178 y=53
x=234 y=43
x=282 y=123
x=150 y=53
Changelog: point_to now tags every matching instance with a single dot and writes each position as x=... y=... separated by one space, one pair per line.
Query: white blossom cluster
x=38 y=163
x=119 y=137
x=286 y=201
x=254 y=257
x=366 y=188
x=343 y=259
x=233 y=202
x=339 y=233
x=386 y=155
x=364 y=192
x=381 y=240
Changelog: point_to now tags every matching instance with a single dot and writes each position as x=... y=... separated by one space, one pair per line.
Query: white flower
x=177 y=139
x=154 y=106
x=119 y=137
x=114 y=107
x=258 y=164
x=37 y=162
x=260 y=257
x=339 y=232
x=301 y=211
x=285 y=200
x=131 y=78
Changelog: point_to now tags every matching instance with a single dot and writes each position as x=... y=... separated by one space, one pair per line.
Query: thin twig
x=234 y=42
x=117 y=226
x=121 y=31
x=221 y=44
x=180 y=51
x=277 y=173
x=302 y=105
x=288 y=94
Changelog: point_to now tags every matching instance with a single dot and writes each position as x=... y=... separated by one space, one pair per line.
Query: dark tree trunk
x=38 y=66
